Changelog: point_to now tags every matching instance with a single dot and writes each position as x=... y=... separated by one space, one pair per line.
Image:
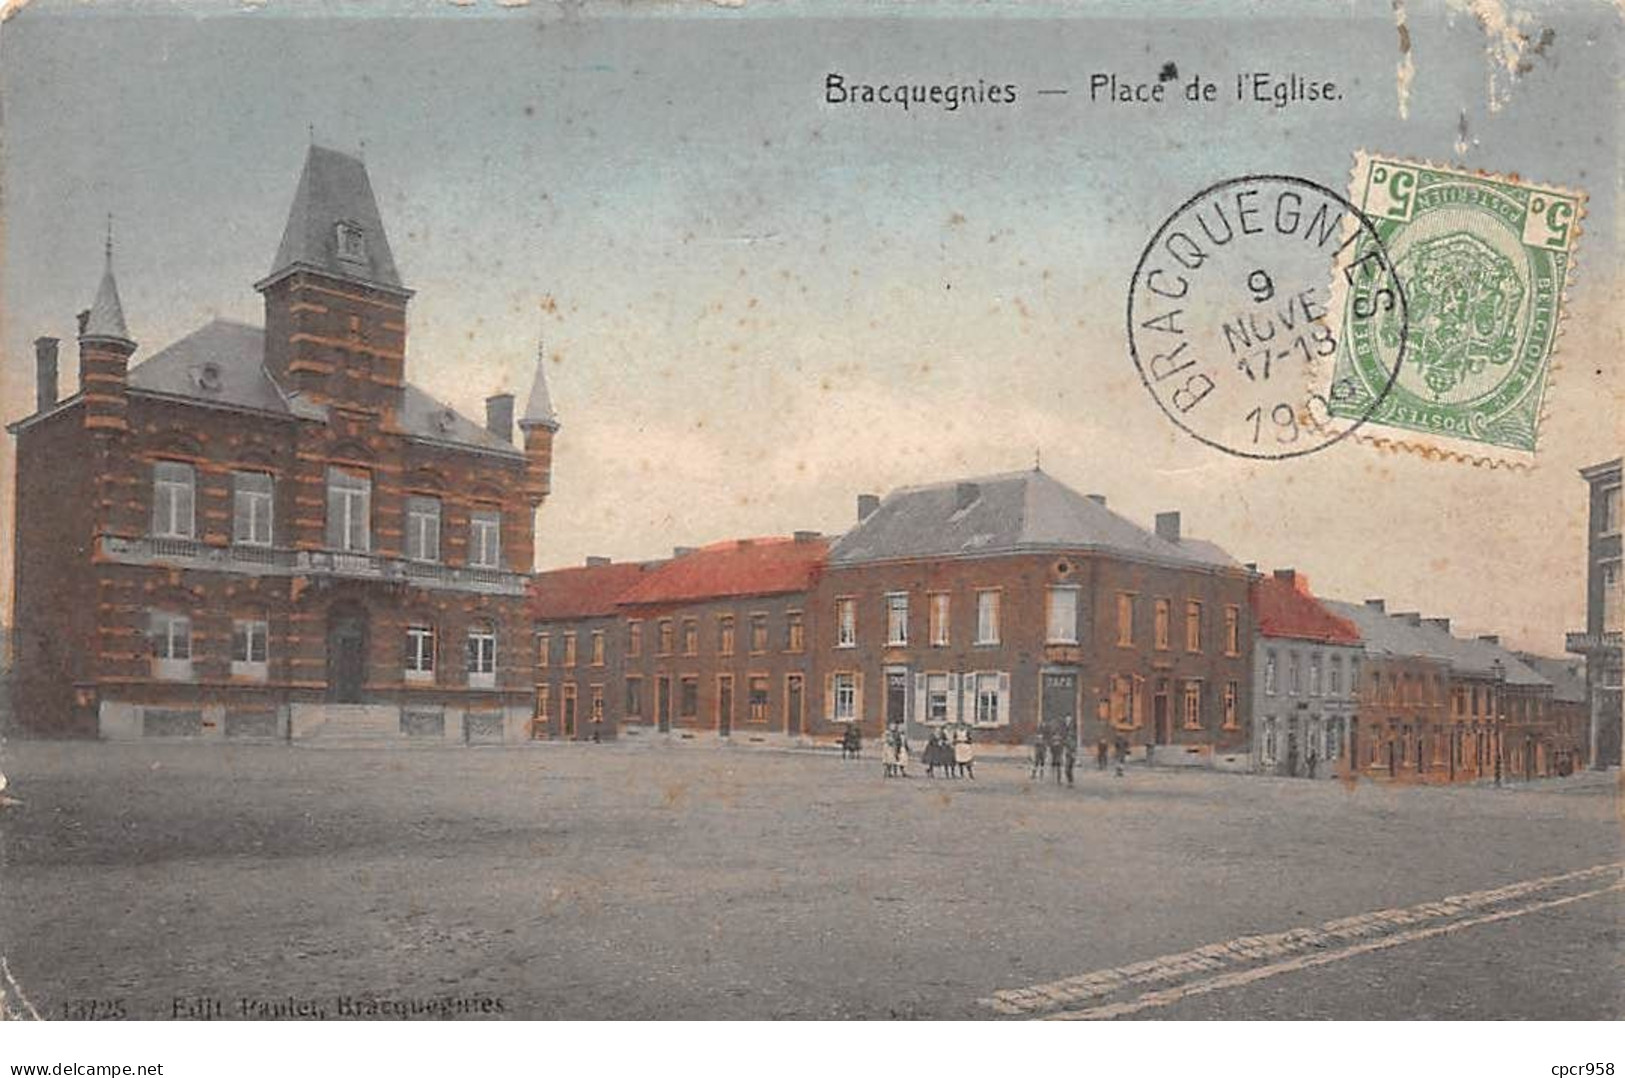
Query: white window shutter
x=829 y=697
x=857 y=696
x=1004 y=699
x=961 y=684
x=919 y=699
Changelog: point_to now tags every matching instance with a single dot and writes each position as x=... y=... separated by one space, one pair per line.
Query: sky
x=758 y=305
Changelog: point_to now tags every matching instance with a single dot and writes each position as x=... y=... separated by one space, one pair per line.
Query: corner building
x=271 y=532
x=1011 y=601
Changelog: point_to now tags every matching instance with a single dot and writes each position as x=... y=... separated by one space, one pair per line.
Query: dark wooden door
x=725 y=706
x=346 y=658
x=1159 y=718
x=896 y=697
x=792 y=705
x=663 y=704
x=1060 y=701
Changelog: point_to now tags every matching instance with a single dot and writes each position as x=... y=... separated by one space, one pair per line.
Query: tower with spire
x=105 y=349
x=538 y=426
x=335 y=307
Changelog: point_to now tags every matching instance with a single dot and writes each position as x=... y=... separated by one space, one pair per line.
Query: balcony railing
x=280 y=561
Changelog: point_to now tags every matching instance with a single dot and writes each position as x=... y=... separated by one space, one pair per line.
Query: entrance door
x=663 y=704
x=1159 y=715
x=569 y=711
x=1292 y=746
x=346 y=657
x=896 y=697
x=792 y=705
x=1060 y=701
x=725 y=705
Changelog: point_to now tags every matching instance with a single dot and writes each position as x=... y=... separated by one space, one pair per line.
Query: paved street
x=574 y=881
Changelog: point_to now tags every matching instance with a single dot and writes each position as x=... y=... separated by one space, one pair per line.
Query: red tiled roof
x=1286 y=608
x=588 y=591
x=737 y=567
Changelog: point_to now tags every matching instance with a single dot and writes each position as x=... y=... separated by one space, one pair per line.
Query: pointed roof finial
x=105 y=319
x=1038 y=459
x=539 y=408
x=311 y=127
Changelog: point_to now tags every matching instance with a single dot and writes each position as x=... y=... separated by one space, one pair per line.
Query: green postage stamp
x=1458 y=367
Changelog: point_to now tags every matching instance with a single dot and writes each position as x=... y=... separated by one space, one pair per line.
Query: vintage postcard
x=819 y=510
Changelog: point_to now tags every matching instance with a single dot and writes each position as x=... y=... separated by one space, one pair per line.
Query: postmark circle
x=1238 y=307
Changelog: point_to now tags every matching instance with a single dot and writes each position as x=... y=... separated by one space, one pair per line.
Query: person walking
x=1038 y=755
x=1071 y=754
x=1100 y=755
x=1056 y=748
x=1121 y=748
x=1311 y=761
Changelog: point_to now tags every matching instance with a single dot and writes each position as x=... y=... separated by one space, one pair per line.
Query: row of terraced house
x=270 y=532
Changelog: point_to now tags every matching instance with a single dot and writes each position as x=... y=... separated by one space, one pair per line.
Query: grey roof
x=223 y=363
x=1567 y=676
x=334 y=188
x=1389 y=634
x=106 y=317
x=1384 y=634
x=539 y=408
x=1013 y=512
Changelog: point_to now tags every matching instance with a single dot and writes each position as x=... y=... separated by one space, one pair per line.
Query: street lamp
x=1498 y=668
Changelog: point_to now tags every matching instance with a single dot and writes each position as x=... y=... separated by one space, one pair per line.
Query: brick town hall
x=268 y=531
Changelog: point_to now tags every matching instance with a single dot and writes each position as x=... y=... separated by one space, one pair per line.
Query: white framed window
x=1063 y=614
x=1334 y=676
x=595 y=705
x=987 y=616
x=940 y=606
x=756 y=699
x=544 y=649
x=482 y=657
x=569 y=649
x=1610 y=596
x=725 y=635
x=1266 y=740
x=420 y=653
x=422 y=528
x=1159 y=625
x=1193 y=626
x=846 y=622
x=252 y=498
x=1193 y=705
x=349 y=510
x=1314 y=675
x=1269 y=674
x=897 y=619
x=634 y=639
x=249 y=649
x=485 y=539
x=1232 y=716
x=1232 y=630
x=758 y=634
x=1125 y=619
x=170 y=635
x=351 y=242
x=937 y=698
x=795 y=631
x=990 y=698
x=1293 y=681
x=173 y=499
x=844 y=697
x=598 y=647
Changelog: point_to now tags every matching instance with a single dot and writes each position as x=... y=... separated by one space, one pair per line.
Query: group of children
x=951 y=752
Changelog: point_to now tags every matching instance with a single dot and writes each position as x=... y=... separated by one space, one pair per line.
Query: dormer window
x=352 y=242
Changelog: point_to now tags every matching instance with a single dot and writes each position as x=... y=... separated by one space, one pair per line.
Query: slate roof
x=223 y=363
x=586 y=591
x=1288 y=609
x=1011 y=513
x=733 y=569
x=334 y=188
x=236 y=352
x=1567 y=676
x=1389 y=634
x=539 y=407
x=106 y=318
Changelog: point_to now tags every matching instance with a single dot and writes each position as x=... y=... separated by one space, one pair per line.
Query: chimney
x=1490 y=638
x=965 y=494
x=499 y=416
x=1375 y=604
x=1098 y=499
x=807 y=536
x=595 y=560
x=682 y=551
x=1409 y=617
x=1438 y=623
x=867 y=504
x=1289 y=577
x=1168 y=526
x=84 y=320
x=45 y=370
